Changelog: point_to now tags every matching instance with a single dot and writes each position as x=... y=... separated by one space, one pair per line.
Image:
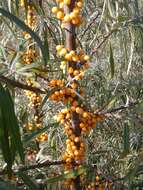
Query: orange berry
x=63 y=52
x=77 y=139
x=57 y=93
x=75 y=58
x=72 y=53
x=67 y=2
x=67 y=18
x=85 y=114
x=76 y=21
x=81 y=125
x=74 y=85
x=73 y=108
x=70 y=70
x=60 y=15
x=53 y=82
x=76 y=72
x=59 y=47
x=68 y=160
x=68 y=57
x=86 y=58
x=55 y=10
x=76 y=152
x=79 y=4
x=86 y=66
x=73 y=148
x=68 y=141
x=68 y=115
x=61 y=5
x=75 y=103
x=63 y=25
x=69 y=132
x=76 y=10
x=73 y=15
x=58 y=1
x=97 y=178
x=79 y=110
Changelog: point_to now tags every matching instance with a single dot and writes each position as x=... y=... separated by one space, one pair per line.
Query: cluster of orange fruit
x=75 y=57
x=93 y=186
x=28 y=58
x=74 y=63
x=35 y=101
x=98 y=184
x=30 y=19
x=73 y=17
x=87 y=120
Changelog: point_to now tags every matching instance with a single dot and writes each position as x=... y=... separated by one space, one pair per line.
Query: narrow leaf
x=10 y=124
x=7 y=186
x=28 y=181
x=111 y=61
x=68 y=175
x=4 y=133
x=126 y=139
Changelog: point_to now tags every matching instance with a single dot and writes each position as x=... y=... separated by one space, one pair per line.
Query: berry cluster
x=30 y=20
x=35 y=101
x=99 y=184
x=28 y=57
x=73 y=17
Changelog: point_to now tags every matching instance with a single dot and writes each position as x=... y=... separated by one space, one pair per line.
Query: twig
x=89 y=25
x=35 y=166
x=102 y=42
x=121 y=108
x=20 y=85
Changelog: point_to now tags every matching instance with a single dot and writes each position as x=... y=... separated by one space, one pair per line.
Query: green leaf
x=68 y=175
x=112 y=102
x=46 y=46
x=111 y=61
x=139 y=108
x=24 y=27
x=14 y=127
x=9 y=129
x=7 y=186
x=28 y=181
x=133 y=172
x=126 y=139
x=4 y=133
x=17 y=6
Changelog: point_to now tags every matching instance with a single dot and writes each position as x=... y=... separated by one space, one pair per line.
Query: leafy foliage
x=112 y=33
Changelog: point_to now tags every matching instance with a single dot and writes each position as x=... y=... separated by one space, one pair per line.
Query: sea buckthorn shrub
x=71 y=117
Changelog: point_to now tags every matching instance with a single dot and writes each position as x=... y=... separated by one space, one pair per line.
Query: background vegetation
x=112 y=34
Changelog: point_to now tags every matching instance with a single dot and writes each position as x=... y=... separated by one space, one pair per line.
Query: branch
x=89 y=25
x=20 y=85
x=102 y=42
x=121 y=108
x=35 y=166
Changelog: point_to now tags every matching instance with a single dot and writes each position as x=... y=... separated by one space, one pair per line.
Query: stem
x=70 y=43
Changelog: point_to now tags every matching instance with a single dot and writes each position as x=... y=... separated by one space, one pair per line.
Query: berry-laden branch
x=76 y=118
